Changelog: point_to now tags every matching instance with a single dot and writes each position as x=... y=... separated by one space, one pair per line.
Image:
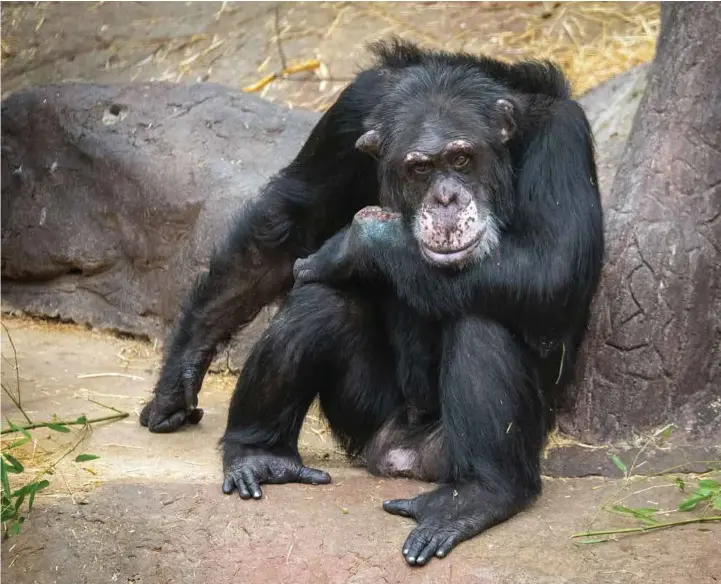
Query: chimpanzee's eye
x=421 y=167
x=461 y=161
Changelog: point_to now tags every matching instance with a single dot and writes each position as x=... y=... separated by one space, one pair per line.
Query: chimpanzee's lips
x=451 y=257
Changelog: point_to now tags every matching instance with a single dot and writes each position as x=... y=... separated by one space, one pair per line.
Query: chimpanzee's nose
x=446 y=196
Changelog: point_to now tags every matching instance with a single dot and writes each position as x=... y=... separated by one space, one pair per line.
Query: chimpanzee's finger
x=242 y=487
x=228 y=484
x=430 y=549
x=145 y=414
x=313 y=476
x=252 y=482
x=445 y=547
x=402 y=507
x=194 y=416
x=173 y=422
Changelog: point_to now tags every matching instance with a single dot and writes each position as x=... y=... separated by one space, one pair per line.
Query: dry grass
x=591 y=41
x=323 y=42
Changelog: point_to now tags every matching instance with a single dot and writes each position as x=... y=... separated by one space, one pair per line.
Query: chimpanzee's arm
x=300 y=207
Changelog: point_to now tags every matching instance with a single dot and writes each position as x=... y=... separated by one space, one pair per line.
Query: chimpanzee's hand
x=351 y=250
x=162 y=416
x=331 y=263
x=246 y=468
x=175 y=397
x=446 y=517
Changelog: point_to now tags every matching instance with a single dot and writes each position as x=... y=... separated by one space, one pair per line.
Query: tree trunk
x=653 y=352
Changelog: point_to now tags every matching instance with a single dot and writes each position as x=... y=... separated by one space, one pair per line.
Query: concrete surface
x=150 y=509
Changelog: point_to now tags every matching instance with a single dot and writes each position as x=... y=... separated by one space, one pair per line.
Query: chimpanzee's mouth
x=451 y=257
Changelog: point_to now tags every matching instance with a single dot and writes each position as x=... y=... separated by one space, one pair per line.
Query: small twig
x=646 y=527
x=102 y=405
x=15 y=401
x=309 y=65
x=94 y=375
x=216 y=16
x=290 y=549
x=17 y=373
x=278 y=42
x=318 y=433
x=118 y=416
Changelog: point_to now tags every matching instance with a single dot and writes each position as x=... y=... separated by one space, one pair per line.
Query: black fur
x=446 y=375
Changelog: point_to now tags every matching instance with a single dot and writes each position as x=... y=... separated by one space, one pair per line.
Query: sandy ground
x=150 y=508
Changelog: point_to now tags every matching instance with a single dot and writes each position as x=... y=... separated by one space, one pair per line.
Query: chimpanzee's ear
x=507 y=111
x=370 y=142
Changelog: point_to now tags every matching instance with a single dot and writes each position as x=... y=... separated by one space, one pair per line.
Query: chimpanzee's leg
x=493 y=423
x=322 y=341
x=306 y=203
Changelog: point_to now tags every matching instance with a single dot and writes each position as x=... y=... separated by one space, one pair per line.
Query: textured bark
x=653 y=354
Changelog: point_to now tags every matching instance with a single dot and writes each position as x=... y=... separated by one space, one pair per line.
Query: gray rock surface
x=113 y=196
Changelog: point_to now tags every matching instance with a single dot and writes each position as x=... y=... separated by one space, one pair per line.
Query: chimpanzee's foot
x=247 y=467
x=448 y=516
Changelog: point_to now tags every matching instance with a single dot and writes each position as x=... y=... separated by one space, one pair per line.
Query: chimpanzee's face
x=443 y=188
x=447 y=170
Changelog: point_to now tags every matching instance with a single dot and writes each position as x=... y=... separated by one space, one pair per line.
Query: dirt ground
x=150 y=508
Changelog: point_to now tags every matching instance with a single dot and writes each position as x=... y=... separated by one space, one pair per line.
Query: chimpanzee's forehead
x=428 y=129
x=426 y=108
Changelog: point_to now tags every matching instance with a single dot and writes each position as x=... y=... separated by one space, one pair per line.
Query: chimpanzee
x=437 y=330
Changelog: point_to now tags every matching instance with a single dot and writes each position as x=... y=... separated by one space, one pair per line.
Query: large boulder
x=113 y=196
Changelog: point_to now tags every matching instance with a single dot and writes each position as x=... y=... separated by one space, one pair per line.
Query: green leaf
x=85 y=457
x=594 y=540
x=15 y=466
x=709 y=484
x=5 y=479
x=31 y=500
x=642 y=513
x=20 y=429
x=19 y=501
x=31 y=488
x=59 y=428
x=620 y=464
x=692 y=501
x=717 y=502
x=679 y=483
x=8 y=513
x=17 y=443
x=81 y=420
x=15 y=528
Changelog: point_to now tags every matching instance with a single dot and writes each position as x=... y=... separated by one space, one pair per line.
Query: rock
x=113 y=196
x=610 y=109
